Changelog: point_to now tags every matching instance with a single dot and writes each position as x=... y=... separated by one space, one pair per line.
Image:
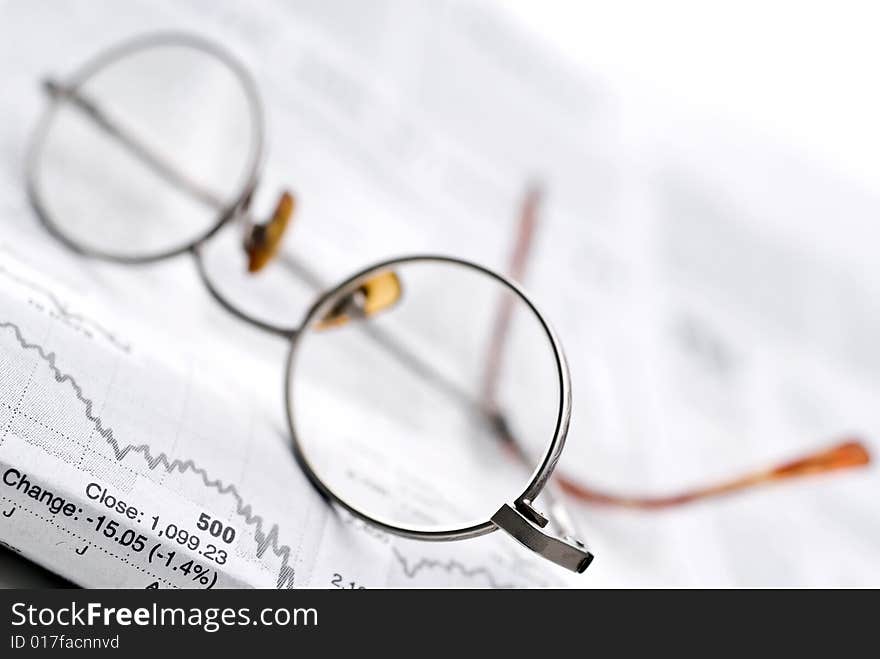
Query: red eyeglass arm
x=846 y=455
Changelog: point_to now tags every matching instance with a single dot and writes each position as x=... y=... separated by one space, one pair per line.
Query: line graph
x=264 y=540
x=63 y=311
x=450 y=566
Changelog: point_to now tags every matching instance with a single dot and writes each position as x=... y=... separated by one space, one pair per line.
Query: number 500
x=216 y=528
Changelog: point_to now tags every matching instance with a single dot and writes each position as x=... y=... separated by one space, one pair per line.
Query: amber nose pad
x=374 y=295
x=264 y=240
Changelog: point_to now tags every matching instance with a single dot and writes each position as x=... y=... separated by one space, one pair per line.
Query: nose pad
x=264 y=240
x=376 y=294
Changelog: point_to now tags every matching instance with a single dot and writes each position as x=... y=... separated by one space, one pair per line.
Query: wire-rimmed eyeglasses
x=154 y=148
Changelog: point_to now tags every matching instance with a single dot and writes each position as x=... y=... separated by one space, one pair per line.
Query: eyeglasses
x=154 y=149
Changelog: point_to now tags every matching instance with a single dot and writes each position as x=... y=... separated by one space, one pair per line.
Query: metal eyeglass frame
x=520 y=520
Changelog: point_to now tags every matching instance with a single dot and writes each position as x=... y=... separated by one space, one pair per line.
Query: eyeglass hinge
x=568 y=552
x=525 y=508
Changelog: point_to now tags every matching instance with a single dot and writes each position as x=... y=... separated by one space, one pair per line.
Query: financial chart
x=130 y=475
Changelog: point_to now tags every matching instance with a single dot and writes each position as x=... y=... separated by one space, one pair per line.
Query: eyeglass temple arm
x=520 y=520
x=845 y=455
x=157 y=163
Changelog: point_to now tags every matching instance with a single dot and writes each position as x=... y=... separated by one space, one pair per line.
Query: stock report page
x=142 y=437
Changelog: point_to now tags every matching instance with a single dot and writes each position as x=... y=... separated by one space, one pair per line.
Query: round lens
x=396 y=403
x=143 y=151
